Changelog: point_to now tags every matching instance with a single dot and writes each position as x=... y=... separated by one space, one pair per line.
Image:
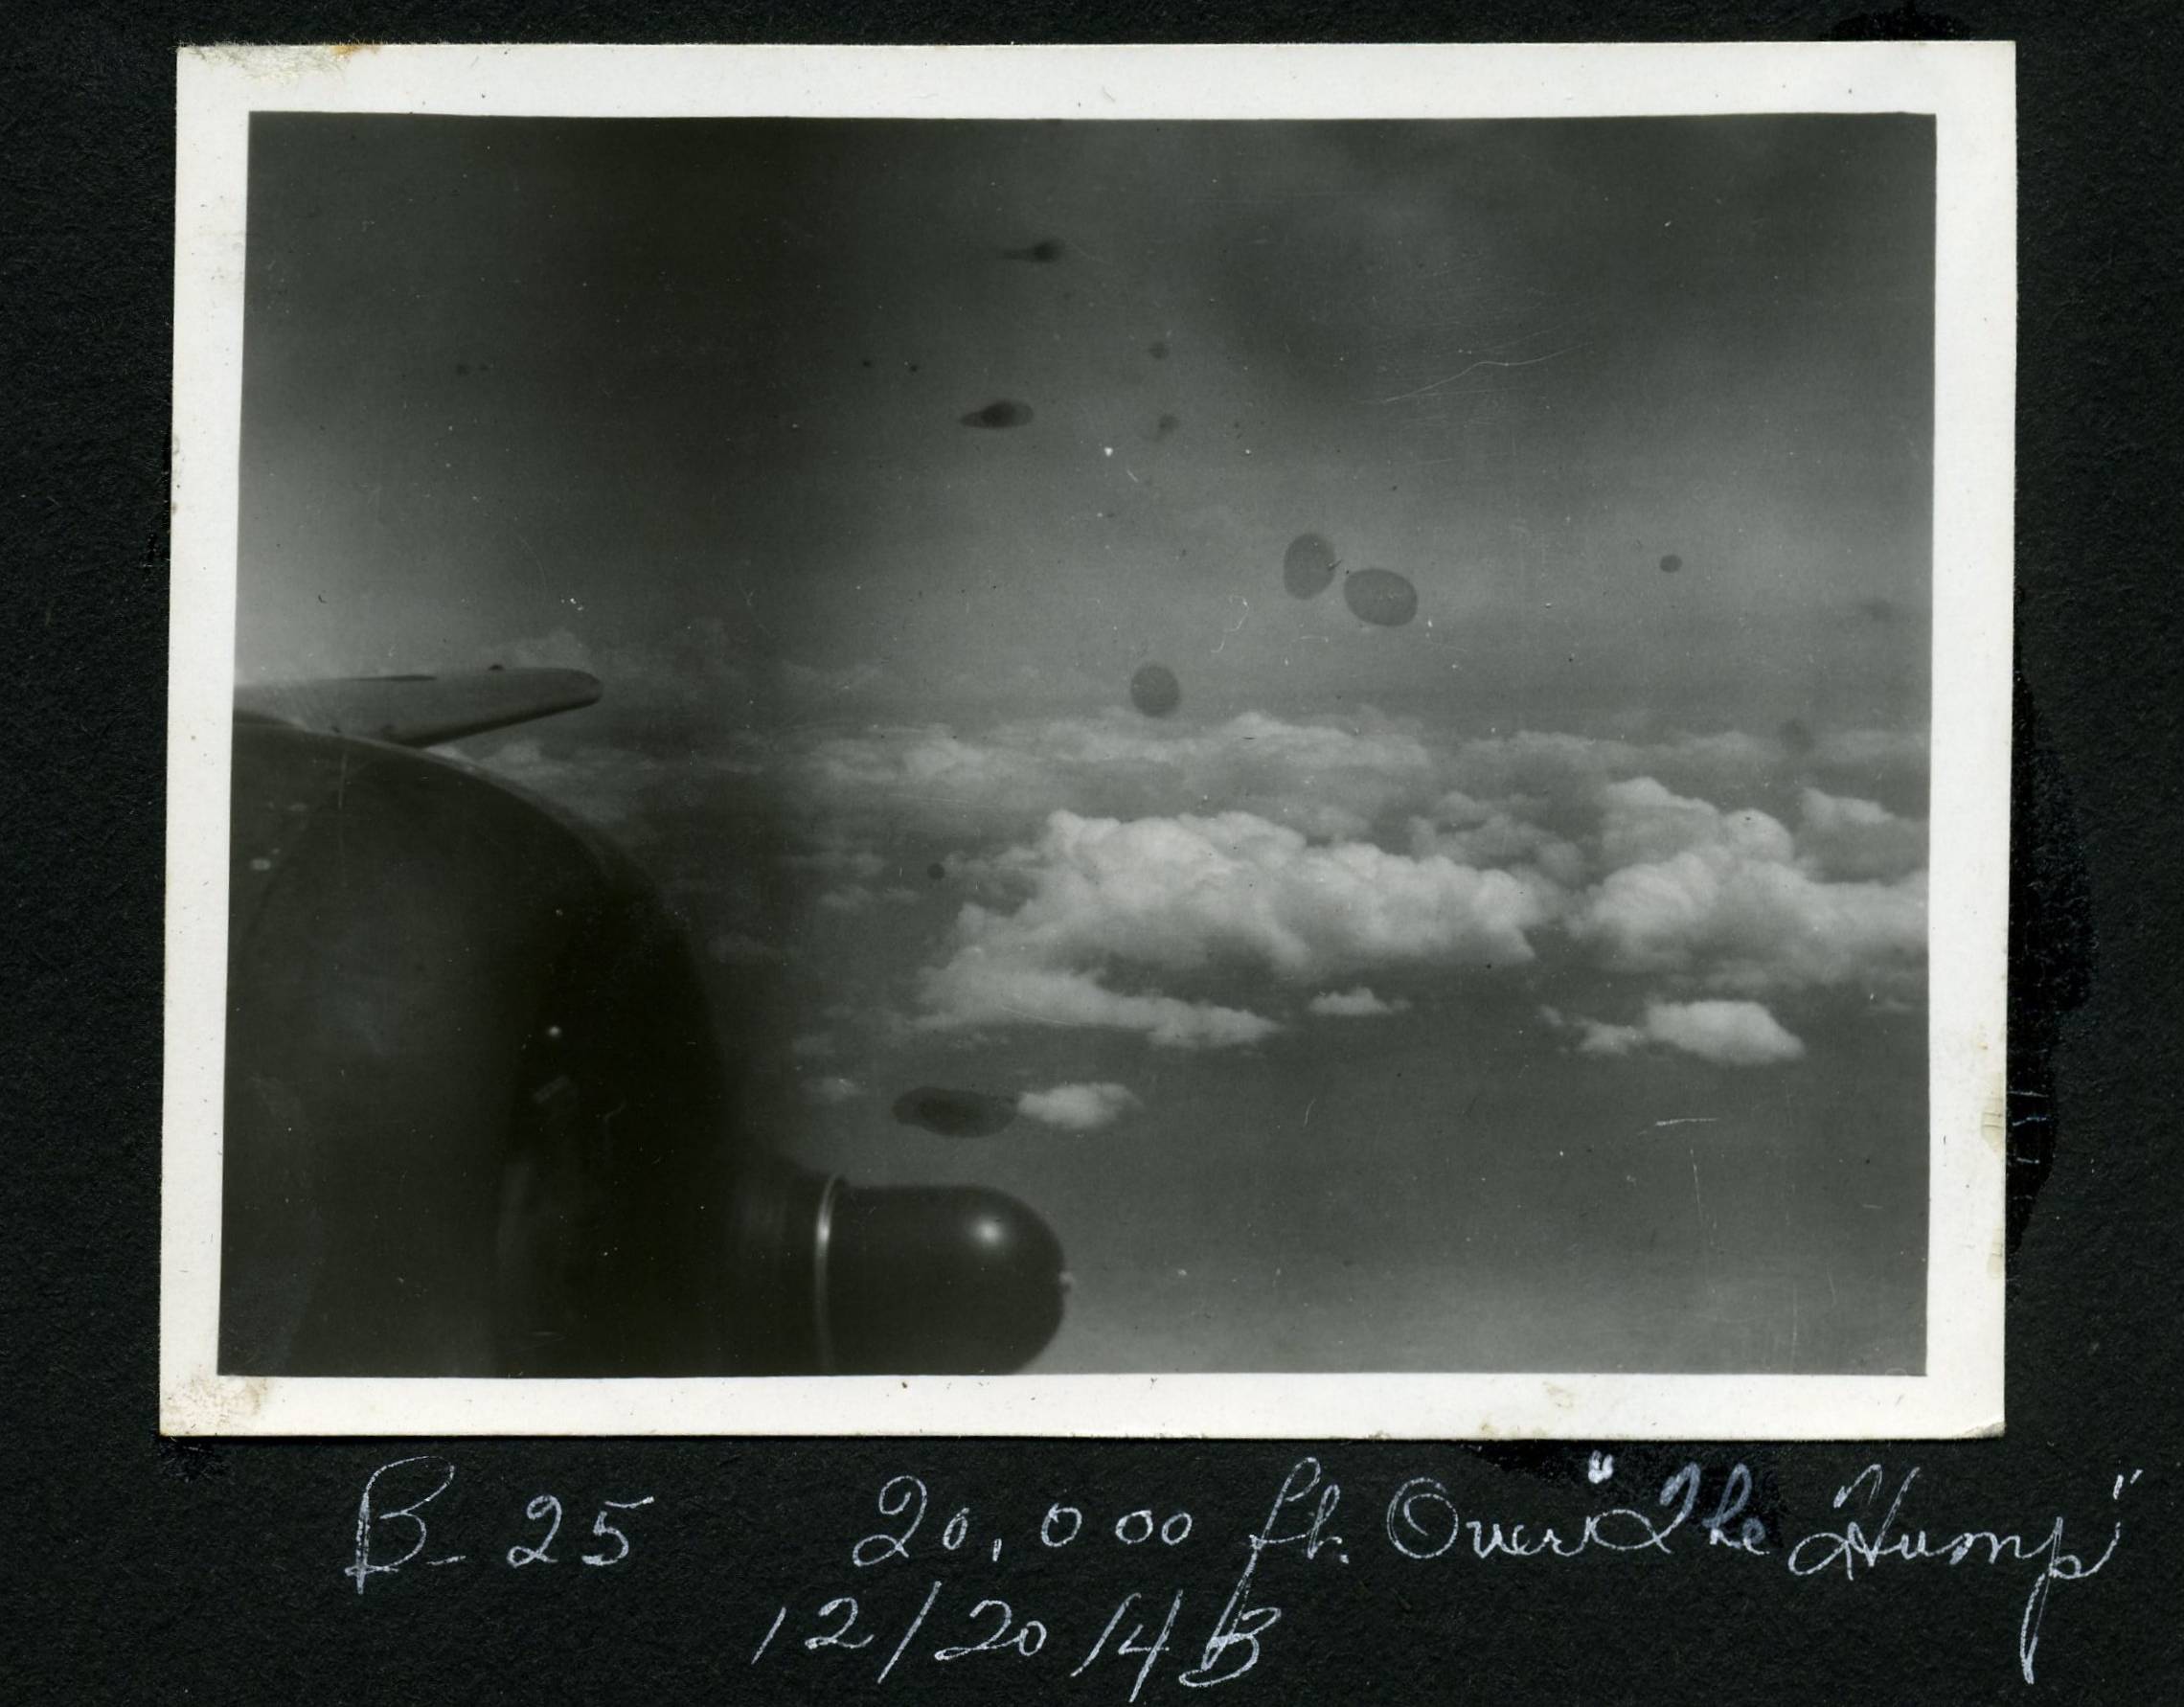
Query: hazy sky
x=1538 y=984
x=632 y=380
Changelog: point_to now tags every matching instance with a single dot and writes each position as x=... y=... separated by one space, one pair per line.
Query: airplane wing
x=418 y=710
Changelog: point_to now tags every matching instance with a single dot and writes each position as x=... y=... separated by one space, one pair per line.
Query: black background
x=139 y=1568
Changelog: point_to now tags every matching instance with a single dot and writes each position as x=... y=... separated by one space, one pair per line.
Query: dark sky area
x=1537 y=983
x=506 y=375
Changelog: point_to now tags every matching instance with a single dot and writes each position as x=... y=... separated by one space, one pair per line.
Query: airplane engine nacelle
x=478 y=1122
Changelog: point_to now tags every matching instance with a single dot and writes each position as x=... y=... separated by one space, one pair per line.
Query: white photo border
x=1969 y=88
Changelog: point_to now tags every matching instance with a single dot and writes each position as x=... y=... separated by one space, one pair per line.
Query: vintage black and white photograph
x=964 y=748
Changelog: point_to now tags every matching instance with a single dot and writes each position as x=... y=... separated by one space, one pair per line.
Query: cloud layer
x=1331 y=779
x=1327 y=779
x=1188 y=894
x=1143 y=877
x=1097 y=920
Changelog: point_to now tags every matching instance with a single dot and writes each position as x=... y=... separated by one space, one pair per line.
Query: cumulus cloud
x=1722 y=899
x=1743 y=926
x=977 y=988
x=1078 y=1108
x=1845 y=837
x=1109 y=857
x=1729 y=1033
x=1185 y=892
x=1353 y=1004
x=1473 y=834
x=1718 y=900
x=1597 y=1037
x=1642 y=823
x=834 y=1088
x=1188 y=894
